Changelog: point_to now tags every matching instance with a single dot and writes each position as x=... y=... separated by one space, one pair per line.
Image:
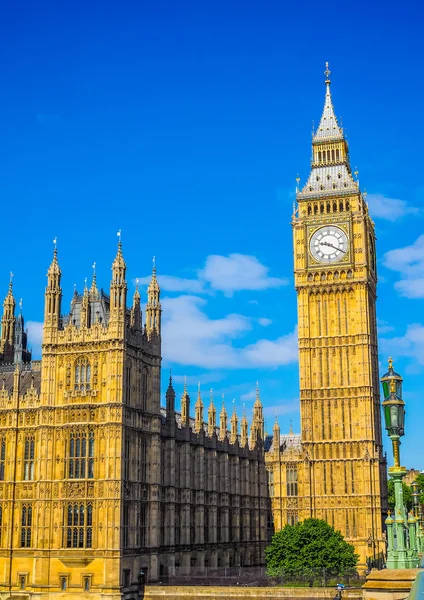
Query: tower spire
x=198 y=422
x=8 y=324
x=185 y=406
x=118 y=291
x=211 y=416
x=136 y=310
x=153 y=308
x=53 y=297
x=331 y=173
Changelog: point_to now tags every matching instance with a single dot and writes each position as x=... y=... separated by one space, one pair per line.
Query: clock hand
x=331 y=246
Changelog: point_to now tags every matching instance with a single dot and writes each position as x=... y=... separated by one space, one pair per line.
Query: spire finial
x=170 y=375
x=390 y=362
x=223 y=400
x=20 y=305
x=291 y=428
x=211 y=395
x=327 y=74
x=154 y=265
x=94 y=271
x=118 y=233
x=198 y=390
x=185 y=383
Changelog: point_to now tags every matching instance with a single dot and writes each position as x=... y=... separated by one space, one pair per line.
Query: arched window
x=81 y=455
x=341 y=207
x=337 y=154
x=26 y=526
x=334 y=206
x=321 y=208
x=309 y=210
x=291 y=477
x=82 y=375
x=333 y=155
x=328 y=207
x=63 y=584
x=22 y=582
x=86 y=584
x=144 y=384
x=316 y=209
x=29 y=448
x=319 y=156
x=347 y=205
x=79 y=526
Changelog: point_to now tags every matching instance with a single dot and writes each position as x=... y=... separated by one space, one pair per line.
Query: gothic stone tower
x=335 y=277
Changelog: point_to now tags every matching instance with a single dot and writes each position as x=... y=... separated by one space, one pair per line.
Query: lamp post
x=402 y=548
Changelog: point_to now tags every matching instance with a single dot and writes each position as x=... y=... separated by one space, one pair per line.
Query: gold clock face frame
x=329 y=244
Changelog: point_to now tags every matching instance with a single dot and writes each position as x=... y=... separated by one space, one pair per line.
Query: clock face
x=328 y=244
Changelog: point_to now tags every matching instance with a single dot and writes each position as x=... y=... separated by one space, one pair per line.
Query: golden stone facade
x=100 y=486
x=335 y=469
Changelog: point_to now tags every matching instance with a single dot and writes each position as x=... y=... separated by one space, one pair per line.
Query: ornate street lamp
x=402 y=530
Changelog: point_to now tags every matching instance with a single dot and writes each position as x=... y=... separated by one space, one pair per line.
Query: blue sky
x=185 y=124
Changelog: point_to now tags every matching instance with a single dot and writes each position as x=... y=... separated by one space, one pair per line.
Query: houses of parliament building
x=101 y=485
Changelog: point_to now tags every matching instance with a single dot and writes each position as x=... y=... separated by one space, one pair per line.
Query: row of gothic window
x=78 y=526
x=328 y=207
x=80 y=457
x=329 y=155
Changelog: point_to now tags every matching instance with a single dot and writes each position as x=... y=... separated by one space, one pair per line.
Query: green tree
x=307 y=548
x=407 y=495
x=420 y=480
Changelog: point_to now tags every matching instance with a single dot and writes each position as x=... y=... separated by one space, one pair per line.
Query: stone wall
x=153 y=592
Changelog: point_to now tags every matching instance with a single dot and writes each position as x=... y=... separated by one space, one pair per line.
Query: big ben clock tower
x=344 y=477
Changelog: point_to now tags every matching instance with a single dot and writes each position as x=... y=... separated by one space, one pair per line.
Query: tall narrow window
x=2 y=458
x=81 y=455
x=127 y=459
x=82 y=375
x=29 y=458
x=291 y=476
x=1 y=522
x=79 y=526
x=126 y=522
x=144 y=389
x=143 y=459
x=26 y=526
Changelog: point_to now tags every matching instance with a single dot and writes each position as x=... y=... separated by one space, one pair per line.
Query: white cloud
x=272 y=353
x=227 y=274
x=409 y=261
x=169 y=283
x=35 y=337
x=390 y=209
x=237 y=272
x=191 y=338
x=264 y=321
x=283 y=407
x=384 y=327
x=410 y=345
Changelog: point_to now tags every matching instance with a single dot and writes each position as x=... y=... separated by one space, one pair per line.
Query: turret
x=211 y=417
x=257 y=427
x=223 y=421
x=153 y=308
x=85 y=308
x=170 y=408
x=234 y=424
x=118 y=289
x=53 y=298
x=8 y=324
x=244 y=430
x=198 y=421
x=21 y=354
x=276 y=436
x=185 y=406
x=136 y=310
x=94 y=292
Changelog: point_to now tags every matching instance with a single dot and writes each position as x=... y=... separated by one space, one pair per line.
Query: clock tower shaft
x=344 y=469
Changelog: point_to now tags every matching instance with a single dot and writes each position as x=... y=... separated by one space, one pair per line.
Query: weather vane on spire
x=154 y=263
x=327 y=73
x=11 y=278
